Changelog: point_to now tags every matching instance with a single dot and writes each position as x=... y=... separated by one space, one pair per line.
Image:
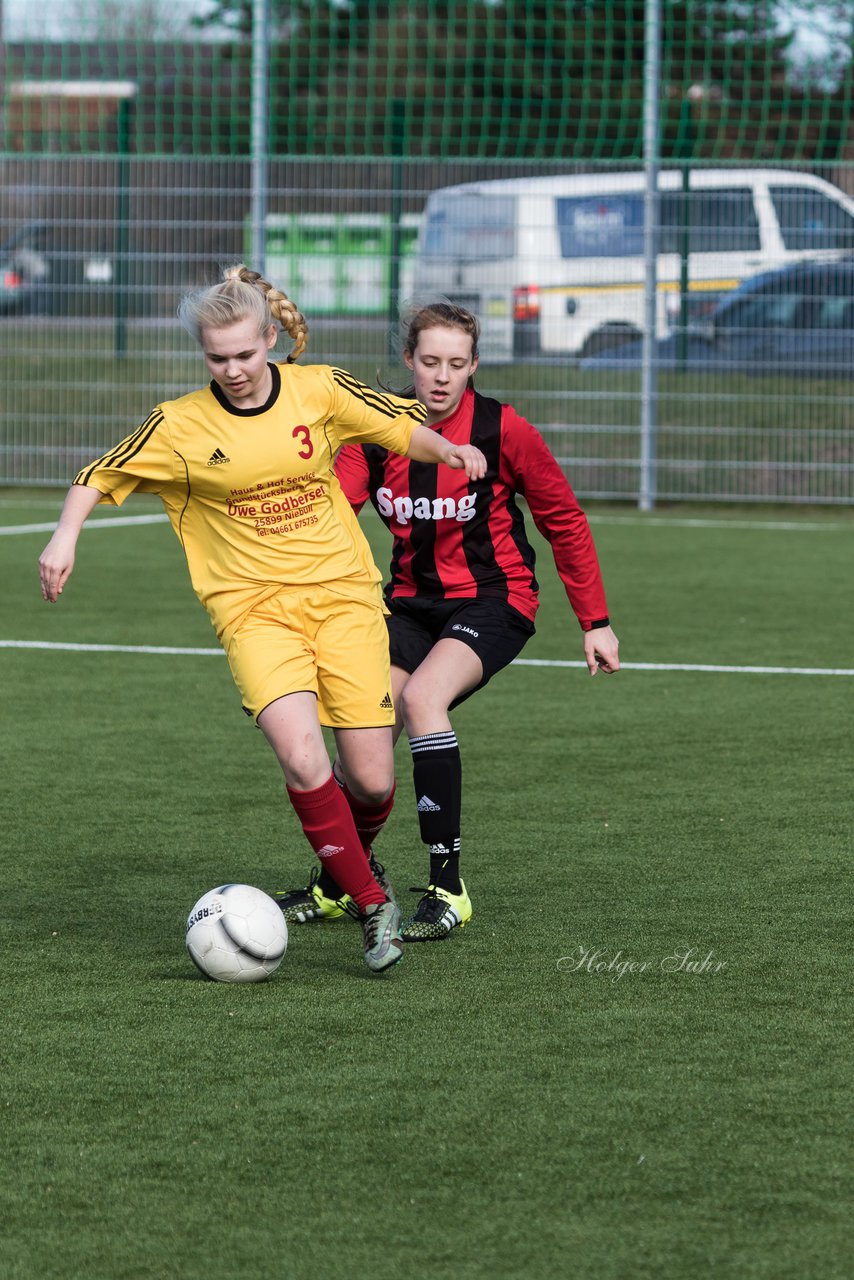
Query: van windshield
x=476 y=228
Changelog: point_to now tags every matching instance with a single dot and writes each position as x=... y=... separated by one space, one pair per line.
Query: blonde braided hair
x=281 y=307
x=244 y=294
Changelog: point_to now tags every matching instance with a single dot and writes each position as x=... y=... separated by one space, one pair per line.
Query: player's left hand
x=467 y=457
x=601 y=651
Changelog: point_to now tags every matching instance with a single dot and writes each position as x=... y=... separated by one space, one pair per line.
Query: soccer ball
x=236 y=934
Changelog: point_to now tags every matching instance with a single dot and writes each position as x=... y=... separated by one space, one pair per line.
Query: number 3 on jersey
x=304 y=436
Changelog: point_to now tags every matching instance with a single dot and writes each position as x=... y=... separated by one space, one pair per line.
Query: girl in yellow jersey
x=275 y=553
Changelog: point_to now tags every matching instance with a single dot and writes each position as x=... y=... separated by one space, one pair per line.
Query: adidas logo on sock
x=426 y=805
x=217 y=458
x=387 y=704
x=330 y=850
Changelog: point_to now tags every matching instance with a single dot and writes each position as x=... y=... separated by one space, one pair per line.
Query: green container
x=335 y=264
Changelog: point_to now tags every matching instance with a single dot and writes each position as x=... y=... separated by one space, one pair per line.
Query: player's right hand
x=55 y=565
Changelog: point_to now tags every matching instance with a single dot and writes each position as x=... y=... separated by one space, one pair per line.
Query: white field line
x=698 y=522
x=696 y=666
x=792 y=526
x=637 y=522
x=171 y=650
x=663 y=522
x=112 y=523
x=112 y=648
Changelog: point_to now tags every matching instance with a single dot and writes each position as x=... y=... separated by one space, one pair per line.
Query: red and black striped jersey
x=457 y=539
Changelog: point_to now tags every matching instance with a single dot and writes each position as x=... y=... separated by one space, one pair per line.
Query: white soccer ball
x=236 y=933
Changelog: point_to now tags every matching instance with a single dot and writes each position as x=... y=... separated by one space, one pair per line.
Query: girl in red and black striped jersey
x=463 y=592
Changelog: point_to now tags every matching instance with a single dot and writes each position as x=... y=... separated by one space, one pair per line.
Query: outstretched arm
x=57 y=559
x=529 y=467
x=427 y=445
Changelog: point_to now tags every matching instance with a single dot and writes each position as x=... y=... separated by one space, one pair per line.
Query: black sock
x=445 y=866
x=438 y=777
x=327 y=885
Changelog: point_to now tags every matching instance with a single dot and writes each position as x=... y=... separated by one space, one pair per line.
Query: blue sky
x=22 y=20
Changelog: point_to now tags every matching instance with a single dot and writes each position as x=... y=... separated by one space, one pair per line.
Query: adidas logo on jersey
x=387 y=704
x=217 y=458
x=404 y=509
x=426 y=805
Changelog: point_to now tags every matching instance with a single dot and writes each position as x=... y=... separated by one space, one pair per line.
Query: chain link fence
x=125 y=180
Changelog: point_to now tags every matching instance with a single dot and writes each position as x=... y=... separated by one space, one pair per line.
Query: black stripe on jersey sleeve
x=122 y=450
x=478 y=547
x=106 y=459
x=139 y=443
x=375 y=399
x=125 y=450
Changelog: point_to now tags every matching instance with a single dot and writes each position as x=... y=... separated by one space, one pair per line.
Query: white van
x=555 y=265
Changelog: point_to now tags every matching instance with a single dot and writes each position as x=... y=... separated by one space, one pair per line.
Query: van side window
x=719 y=221
x=810 y=220
x=600 y=226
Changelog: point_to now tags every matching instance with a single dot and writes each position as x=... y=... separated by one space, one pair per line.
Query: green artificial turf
x=518 y=1101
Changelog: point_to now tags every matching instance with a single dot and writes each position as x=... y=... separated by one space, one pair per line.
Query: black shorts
x=493 y=629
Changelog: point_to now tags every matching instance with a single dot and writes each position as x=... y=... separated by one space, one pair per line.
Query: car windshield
x=34 y=235
x=761 y=311
x=796 y=308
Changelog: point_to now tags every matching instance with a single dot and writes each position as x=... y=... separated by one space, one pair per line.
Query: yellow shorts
x=329 y=641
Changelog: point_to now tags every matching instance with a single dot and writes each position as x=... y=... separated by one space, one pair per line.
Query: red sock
x=330 y=830
x=369 y=818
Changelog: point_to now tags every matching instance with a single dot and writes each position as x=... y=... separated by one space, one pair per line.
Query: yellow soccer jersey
x=251 y=493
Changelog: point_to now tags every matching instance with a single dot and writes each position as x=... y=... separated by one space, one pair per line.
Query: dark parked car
x=44 y=269
x=797 y=321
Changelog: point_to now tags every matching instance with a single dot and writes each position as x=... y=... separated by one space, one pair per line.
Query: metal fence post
x=398 y=126
x=260 y=131
x=652 y=59
x=122 y=208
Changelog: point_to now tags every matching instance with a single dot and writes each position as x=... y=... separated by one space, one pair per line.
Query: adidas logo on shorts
x=387 y=704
